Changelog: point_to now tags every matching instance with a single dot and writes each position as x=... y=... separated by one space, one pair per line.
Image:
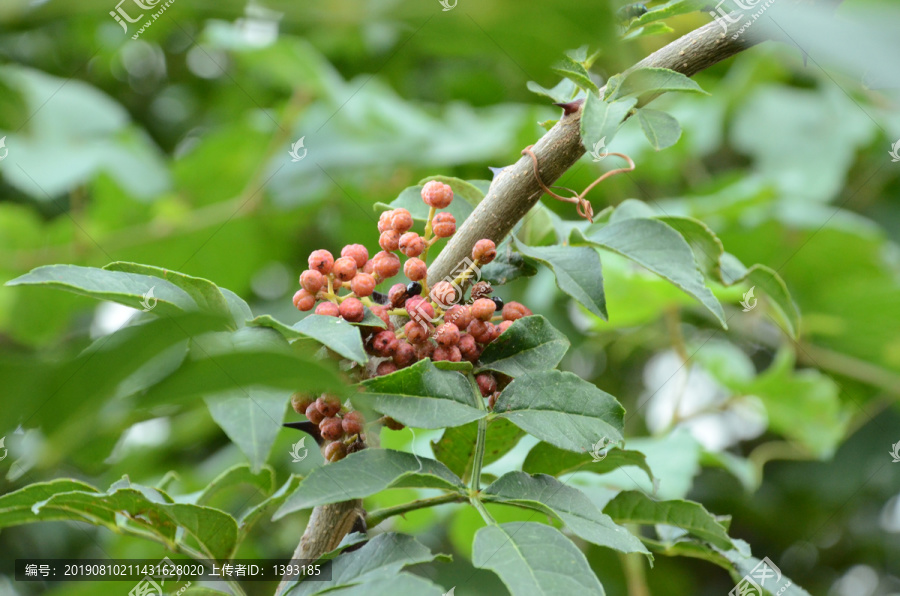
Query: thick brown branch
x=515 y=191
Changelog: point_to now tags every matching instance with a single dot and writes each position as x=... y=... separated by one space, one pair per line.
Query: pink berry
x=328 y=405
x=450 y=353
x=387 y=265
x=331 y=429
x=385 y=368
x=444 y=293
x=345 y=268
x=404 y=354
x=484 y=251
x=362 y=285
x=443 y=225
x=353 y=423
x=417 y=333
x=352 y=310
x=384 y=343
x=335 y=451
x=411 y=244
x=468 y=348
x=312 y=281
x=415 y=269
x=303 y=300
x=515 y=310
x=483 y=309
x=384 y=221
x=401 y=220
x=321 y=260
x=504 y=325
x=389 y=240
x=458 y=314
x=447 y=334
x=329 y=309
x=357 y=252
x=313 y=414
x=437 y=194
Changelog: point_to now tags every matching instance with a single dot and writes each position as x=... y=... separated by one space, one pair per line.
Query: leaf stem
x=478 y=457
x=376 y=517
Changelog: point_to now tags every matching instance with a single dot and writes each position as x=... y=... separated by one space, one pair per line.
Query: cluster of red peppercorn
x=439 y=328
x=342 y=430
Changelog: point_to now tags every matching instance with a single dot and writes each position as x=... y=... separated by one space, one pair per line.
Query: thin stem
x=477 y=504
x=479 y=452
x=427 y=237
x=378 y=516
x=635 y=574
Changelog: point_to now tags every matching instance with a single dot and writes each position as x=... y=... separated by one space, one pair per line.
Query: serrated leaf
x=575 y=71
x=653 y=81
x=335 y=333
x=456 y=448
x=423 y=396
x=562 y=92
x=547 y=459
x=660 y=128
x=600 y=120
x=251 y=418
x=125 y=288
x=365 y=473
x=561 y=409
x=214 y=530
x=744 y=564
x=578 y=272
x=704 y=243
x=240 y=310
x=461 y=189
x=411 y=200
x=237 y=475
x=633 y=507
x=381 y=559
x=15 y=507
x=660 y=249
x=534 y=560
x=530 y=344
x=204 y=292
x=571 y=506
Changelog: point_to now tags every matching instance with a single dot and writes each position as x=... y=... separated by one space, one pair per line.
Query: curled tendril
x=582 y=205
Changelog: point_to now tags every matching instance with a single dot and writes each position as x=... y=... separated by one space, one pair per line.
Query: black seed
x=414 y=288
x=379 y=298
x=498 y=302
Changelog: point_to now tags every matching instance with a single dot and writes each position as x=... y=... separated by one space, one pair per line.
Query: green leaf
x=402 y=583
x=345 y=341
x=745 y=564
x=252 y=515
x=561 y=409
x=530 y=344
x=365 y=473
x=669 y=9
x=236 y=475
x=215 y=531
x=461 y=189
x=660 y=128
x=564 y=91
x=704 y=243
x=336 y=334
x=15 y=507
x=125 y=288
x=600 y=120
x=204 y=292
x=575 y=71
x=456 y=448
x=534 y=560
x=577 y=270
x=804 y=405
x=252 y=420
x=547 y=459
x=568 y=504
x=411 y=200
x=249 y=357
x=240 y=310
x=651 y=29
x=423 y=396
x=507 y=266
x=660 y=249
x=381 y=559
x=654 y=81
x=633 y=507
x=768 y=280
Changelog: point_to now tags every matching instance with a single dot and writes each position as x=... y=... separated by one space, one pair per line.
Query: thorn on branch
x=582 y=205
x=570 y=107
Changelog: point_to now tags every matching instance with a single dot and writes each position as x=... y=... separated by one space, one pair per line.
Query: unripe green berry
x=335 y=451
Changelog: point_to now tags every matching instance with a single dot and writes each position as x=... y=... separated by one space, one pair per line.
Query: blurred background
x=169 y=145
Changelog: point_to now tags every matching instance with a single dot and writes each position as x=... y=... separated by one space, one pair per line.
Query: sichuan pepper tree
x=419 y=353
